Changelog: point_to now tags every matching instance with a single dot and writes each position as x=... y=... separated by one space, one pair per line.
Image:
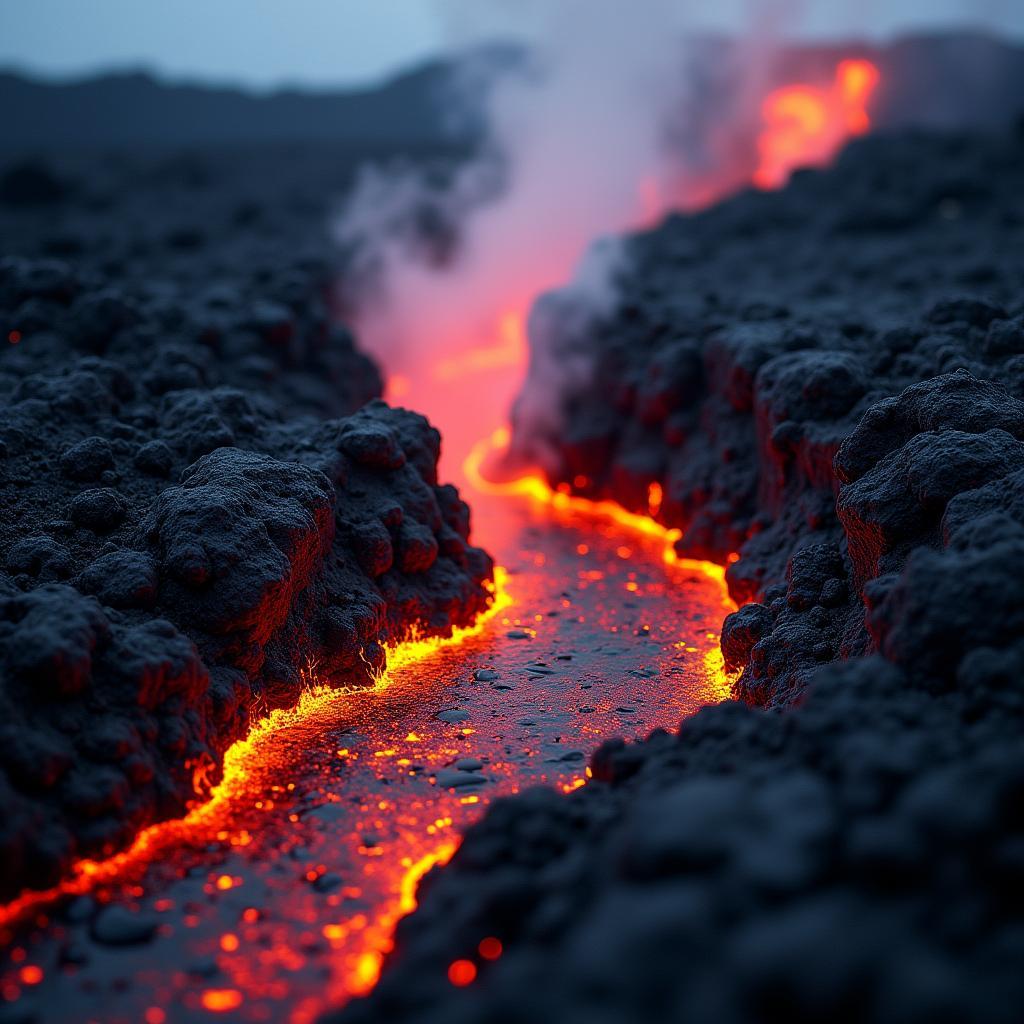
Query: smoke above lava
x=598 y=126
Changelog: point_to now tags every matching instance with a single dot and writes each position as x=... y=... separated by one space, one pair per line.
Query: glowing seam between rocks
x=197 y=824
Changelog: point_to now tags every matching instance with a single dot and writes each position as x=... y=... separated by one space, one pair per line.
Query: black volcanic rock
x=162 y=610
x=791 y=382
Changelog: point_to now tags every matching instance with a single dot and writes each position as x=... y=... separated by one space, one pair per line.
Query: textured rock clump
x=197 y=521
x=827 y=380
x=810 y=376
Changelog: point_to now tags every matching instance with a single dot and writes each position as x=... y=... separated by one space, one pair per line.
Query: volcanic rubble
x=828 y=381
x=197 y=521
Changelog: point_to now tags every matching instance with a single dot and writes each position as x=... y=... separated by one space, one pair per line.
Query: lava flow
x=278 y=896
x=806 y=125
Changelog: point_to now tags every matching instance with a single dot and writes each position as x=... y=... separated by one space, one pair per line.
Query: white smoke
x=577 y=148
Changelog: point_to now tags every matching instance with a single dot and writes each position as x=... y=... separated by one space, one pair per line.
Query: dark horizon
x=930 y=78
x=344 y=45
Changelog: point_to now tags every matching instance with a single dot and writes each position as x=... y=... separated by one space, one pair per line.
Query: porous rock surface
x=828 y=381
x=197 y=521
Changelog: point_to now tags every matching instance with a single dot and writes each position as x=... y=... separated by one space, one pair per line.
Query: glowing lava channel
x=243 y=760
x=260 y=943
x=465 y=393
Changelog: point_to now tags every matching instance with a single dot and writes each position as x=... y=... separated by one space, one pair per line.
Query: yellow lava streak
x=536 y=488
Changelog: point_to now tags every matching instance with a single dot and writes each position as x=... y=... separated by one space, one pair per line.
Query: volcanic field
x=284 y=738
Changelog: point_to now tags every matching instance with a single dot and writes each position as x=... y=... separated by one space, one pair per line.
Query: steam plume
x=582 y=141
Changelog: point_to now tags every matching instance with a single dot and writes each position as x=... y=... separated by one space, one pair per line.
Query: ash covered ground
x=196 y=520
x=828 y=381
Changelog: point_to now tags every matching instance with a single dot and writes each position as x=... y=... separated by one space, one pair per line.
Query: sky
x=264 y=44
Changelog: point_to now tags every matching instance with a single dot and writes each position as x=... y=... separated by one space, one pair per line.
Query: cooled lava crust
x=196 y=520
x=828 y=380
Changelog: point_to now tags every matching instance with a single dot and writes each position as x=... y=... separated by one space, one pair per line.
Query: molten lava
x=536 y=488
x=291 y=876
x=248 y=764
x=806 y=125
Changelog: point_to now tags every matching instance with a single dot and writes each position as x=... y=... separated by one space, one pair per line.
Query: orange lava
x=806 y=125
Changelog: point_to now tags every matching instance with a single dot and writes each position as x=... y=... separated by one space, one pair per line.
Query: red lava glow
x=806 y=125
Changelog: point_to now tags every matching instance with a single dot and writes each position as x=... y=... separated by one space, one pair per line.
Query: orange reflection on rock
x=536 y=488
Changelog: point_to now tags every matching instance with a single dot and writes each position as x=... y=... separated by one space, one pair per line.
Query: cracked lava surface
x=278 y=896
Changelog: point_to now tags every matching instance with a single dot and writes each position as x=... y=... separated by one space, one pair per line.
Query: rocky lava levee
x=196 y=523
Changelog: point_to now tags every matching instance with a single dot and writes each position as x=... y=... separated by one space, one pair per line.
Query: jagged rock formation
x=821 y=368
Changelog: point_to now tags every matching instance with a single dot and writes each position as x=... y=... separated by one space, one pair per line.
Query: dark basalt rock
x=742 y=630
x=814 y=383
x=182 y=602
x=956 y=401
x=194 y=511
x=898 y=504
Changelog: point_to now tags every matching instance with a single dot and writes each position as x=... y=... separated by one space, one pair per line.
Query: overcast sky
x=265 y=43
